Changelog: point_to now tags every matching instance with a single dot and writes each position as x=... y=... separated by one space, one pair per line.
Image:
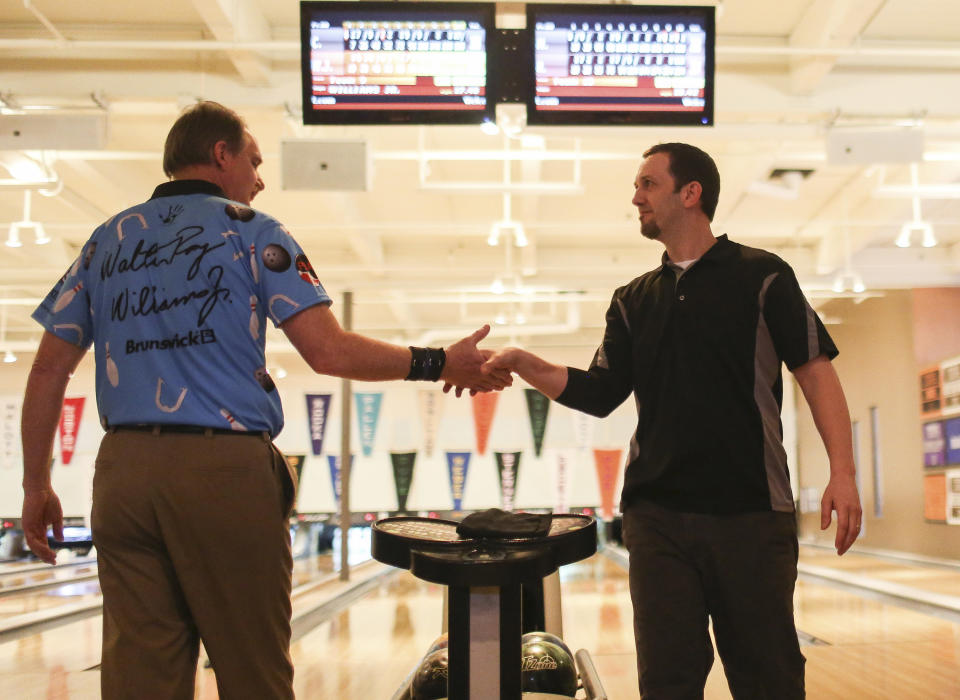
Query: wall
x=878 y=366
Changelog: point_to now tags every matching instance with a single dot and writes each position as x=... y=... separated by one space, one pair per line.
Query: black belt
x=158 y=428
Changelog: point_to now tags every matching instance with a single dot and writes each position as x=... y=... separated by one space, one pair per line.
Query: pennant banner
x=402 y=475
x=508 y=467
x=582 y=429
x=11 y=452
x=561 y=503
x=537 y=406
x=70 y=426
x=334 y=461
x=368 y=414
x=295 y=462
x=484 y=406
x=457 y=464
x=431 y=405
x=318 y=408
x=608 y=467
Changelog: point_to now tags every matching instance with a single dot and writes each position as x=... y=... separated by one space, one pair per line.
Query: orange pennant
x=484 y=406
x=608 y=468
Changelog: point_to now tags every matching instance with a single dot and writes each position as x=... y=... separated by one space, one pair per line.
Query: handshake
x=470 y=368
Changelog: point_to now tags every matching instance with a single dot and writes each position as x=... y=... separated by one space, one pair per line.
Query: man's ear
x=691 y=193
x=220 y=153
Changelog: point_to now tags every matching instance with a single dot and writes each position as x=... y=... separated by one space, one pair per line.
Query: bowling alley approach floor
x=862 y=638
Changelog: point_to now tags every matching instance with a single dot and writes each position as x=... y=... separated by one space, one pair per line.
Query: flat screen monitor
x=396 y=62
x=620 y=64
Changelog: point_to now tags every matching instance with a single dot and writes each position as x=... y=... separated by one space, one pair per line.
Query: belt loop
x=156 y=429
x=208 y=432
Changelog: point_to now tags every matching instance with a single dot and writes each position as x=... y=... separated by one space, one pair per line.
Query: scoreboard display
x=595 y=64
x=396 y=62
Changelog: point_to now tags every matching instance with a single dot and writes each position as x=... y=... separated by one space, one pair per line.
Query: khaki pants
x=738 y=571
x=193 y=544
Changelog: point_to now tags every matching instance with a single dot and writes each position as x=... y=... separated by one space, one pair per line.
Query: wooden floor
x=867 y=648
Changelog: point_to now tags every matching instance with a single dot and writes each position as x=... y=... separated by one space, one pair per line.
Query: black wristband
x=426 y=364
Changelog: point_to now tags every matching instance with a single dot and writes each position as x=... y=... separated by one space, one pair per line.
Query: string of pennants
x=368 y=416
x=608 y=463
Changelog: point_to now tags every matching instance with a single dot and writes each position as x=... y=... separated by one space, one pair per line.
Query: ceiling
x=795 y=79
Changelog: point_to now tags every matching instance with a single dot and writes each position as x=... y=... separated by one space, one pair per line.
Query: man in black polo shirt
x=708 y=514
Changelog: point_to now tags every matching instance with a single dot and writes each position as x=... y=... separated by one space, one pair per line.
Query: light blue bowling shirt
x=174 y=294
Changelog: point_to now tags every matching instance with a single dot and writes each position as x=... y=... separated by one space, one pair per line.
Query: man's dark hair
x=195 y=133
x=690 y=164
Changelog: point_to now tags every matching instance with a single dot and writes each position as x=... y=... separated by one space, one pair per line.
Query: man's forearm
x=822 y=390
x=55 y=361
x=547 y=378
x=42 y=404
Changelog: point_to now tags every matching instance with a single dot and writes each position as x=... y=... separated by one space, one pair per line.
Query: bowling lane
x=305 y=570
x=49 y=598
x=368 y=649
x=941 y=578
x=41 y=573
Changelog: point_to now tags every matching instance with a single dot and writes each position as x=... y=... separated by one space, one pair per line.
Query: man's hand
x=463 y=367
x=841 y=496
x=41 y=508
x=505 y=360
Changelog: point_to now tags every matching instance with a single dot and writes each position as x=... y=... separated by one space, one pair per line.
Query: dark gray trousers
x=739 y=572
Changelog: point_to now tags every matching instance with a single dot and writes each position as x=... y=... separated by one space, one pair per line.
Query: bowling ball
x=276 y=258
x=546 y=668
x=430 y=681
x=238 y=213
x=440 y=642
x=537 y=636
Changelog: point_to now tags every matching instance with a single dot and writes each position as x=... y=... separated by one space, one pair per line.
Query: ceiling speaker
x=324 y=165
x=53 y=131
x=849 y=146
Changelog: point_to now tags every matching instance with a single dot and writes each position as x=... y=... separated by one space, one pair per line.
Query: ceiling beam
x=828 y=24
x=239 y=21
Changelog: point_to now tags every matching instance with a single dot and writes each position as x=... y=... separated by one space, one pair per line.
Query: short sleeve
x=287 y=281
x=65 y=311
x=798 y=333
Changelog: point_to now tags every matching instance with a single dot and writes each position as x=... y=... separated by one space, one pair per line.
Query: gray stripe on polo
x=766 y=368
x=634 y=444
x=813 y=337
x=623 y=314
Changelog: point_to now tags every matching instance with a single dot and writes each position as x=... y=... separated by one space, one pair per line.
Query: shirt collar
x=718 y=251
x=179 y=187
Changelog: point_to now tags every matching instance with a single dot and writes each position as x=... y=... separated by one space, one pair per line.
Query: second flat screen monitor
x=620 y=64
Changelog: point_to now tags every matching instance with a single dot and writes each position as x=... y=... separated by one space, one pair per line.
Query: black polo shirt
x=701 y=350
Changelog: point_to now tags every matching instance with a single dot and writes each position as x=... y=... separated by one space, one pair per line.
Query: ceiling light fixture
x=848 y=281
x=40 y=234
x=13 y=237
x=927 y=237
x=9 y=357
